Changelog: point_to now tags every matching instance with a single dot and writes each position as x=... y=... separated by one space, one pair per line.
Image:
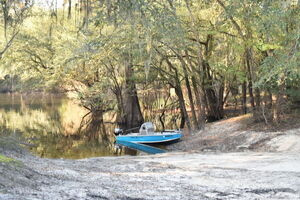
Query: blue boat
x=146 y=134
x=140 y=147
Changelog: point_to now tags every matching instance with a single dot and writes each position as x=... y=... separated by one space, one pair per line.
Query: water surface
x=52 y=126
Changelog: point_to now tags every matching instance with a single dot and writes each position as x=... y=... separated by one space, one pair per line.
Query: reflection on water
x=50 y=125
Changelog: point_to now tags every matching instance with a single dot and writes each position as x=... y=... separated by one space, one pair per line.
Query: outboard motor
x=118 y=131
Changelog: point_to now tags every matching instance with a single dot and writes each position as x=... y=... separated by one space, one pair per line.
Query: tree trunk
x=270 y=97
x=234 y=90
x=85 y=9
x=258 y=111
x=178 y=91
x=244 y=97
x=199 y=97
x=200 y=104
x=120 y=114
x=257 y=98
x=221 y=99
x=195 y=122
x=69 y=9
x=249 y=76
x=213 y=113
x=279 y=104
x=190 y=96
x=132 y=112
x=5 y=9
x=184 y=114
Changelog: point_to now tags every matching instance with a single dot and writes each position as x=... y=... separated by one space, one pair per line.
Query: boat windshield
x=147 y=128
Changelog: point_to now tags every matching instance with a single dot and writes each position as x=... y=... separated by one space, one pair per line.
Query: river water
x=50 y=126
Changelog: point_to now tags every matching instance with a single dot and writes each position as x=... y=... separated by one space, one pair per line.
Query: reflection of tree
x=96 y=126
x=92 y=127
x=51 y=127
x=72 y=147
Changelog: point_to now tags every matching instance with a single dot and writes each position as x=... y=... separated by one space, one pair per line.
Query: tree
x=13 y=13
x=124 y=49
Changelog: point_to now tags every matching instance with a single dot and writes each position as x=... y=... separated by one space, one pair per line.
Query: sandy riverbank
x=255 y=173
x=169 y=176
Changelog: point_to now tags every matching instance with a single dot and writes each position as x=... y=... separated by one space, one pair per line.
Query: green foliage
x=283 y=66
x=97 y=97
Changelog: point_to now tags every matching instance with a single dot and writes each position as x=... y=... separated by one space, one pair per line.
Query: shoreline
x=216 y=166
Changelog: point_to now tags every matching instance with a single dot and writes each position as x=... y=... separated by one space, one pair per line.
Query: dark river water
x=53 y=126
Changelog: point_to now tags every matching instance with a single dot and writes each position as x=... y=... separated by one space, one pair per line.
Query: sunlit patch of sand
x=235 y=119
x=241 y=134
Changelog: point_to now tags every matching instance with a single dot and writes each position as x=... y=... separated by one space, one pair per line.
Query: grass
x=10 y=161
x=6 y=159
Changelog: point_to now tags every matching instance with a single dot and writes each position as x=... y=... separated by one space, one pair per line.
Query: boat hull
x=151 y=139
x=140 y=147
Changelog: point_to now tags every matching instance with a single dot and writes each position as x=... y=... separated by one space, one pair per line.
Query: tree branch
x=8 y=44
x=237 y=26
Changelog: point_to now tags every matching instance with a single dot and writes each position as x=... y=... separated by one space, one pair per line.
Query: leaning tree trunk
x=132 y=112
x=198 y=96
x=184 y=115
x=190 y=96
x=177 y=86
x=200 y=104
